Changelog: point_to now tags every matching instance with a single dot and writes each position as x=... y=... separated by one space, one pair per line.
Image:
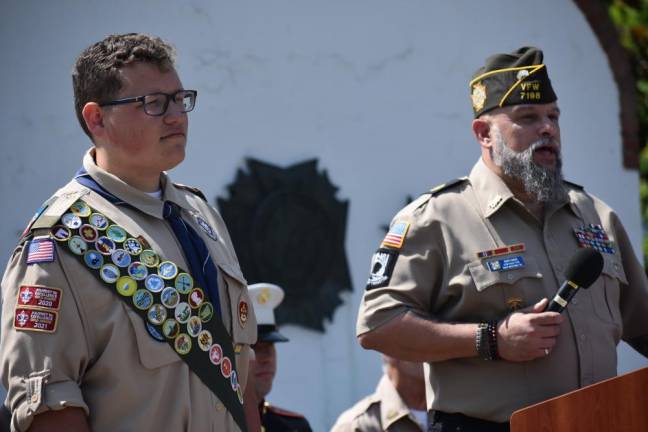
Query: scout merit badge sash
x=162 y=294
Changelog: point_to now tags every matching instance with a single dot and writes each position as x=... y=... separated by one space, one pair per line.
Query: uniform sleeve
x=634 y=296
x=43 y=352
x=404 y=278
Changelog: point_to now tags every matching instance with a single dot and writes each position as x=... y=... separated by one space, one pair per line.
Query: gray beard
x=545 y=184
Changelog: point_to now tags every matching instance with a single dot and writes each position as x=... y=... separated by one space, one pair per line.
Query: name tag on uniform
x=505 y=264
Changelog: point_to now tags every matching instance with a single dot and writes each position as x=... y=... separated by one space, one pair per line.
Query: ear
x=93 y=116
x=481 y=128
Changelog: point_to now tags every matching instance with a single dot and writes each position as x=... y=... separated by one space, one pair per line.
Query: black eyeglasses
x=156 y=104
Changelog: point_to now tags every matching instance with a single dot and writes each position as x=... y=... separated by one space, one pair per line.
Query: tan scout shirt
x=382 y=411
x=439 y=275
x=101 y=357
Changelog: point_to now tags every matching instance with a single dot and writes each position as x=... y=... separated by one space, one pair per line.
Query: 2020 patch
x=382 y=267
x=39 y=297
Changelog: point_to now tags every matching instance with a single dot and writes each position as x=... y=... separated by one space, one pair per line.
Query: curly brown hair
x=96 y=77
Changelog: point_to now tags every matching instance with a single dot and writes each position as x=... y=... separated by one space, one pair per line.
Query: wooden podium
x=617 y=404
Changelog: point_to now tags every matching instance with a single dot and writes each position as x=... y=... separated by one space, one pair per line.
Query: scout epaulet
x=574 y=185
x=440 y=188
x=191 y=189
x=282 y=412
x=49 y=213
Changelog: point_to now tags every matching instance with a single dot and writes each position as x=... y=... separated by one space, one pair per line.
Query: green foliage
x=631 y=20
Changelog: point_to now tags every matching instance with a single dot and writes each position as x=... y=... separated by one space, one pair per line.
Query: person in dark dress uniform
x=265 y=298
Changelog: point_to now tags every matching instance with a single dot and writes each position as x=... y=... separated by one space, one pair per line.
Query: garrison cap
x=265 y=298
x=511 y=79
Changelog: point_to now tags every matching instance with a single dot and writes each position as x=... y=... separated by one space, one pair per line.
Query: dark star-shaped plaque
x=288 y=229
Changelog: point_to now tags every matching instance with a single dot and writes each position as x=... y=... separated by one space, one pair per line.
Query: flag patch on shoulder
x=396 y=235
x=40 y=249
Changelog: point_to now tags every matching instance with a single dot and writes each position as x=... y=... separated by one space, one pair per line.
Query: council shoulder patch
x=382 y=267
x=396 y=235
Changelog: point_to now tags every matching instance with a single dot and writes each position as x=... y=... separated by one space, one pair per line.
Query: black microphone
x=583 y=269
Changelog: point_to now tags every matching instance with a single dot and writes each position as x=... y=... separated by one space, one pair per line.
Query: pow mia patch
x=382 y=266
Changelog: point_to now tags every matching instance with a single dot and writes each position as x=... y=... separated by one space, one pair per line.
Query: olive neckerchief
x=161 y=293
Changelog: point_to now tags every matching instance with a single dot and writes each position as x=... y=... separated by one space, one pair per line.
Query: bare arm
x=66 y=420
x=521 y=336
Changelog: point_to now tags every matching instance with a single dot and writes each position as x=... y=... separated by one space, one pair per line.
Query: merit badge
x=206 y=312
x=93 y=259
x=194 y=326
x=167 y=270
x=239 y=393
x=504 y=250
x=184 y=283
x=170 y=297
x=80 y=209
x=234 y=380
x=154 y=283
x=88 y=233
x=41 y=249
x=382 y=266
x=137 y=271
x=205 y=340
x=216 y=354
x=153 y=332
x=506 y=264
x=594 y=236
x=142 y=299
x=478 y=96
x=226 y=367
x=243 y=312
x=109 y=273
x=77 y=245
x=116 y=233
x=170 y=328
x=157 y=314
x=121 y=258
x=126 y=286
x=196 y=298
x=35 y=320
x=38 y=296
x=71 y=220
x=396 y=235
x=182 y=344
x=206 y=227
x=105 y=246
x=132 y=246
x=182 y=312
x=99 y=221
x=60 y=233
x=149 y=258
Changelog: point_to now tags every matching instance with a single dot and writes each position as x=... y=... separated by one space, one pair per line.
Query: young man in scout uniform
x=397 y=405
x=462 y=278
x=124 y=307
x=265 y=298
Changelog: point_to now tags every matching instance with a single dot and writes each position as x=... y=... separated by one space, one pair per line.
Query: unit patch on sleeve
x=382 y=266
x=396 y=235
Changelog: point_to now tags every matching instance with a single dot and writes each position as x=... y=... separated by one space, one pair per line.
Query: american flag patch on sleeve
x=41 y=249
x=396 y=235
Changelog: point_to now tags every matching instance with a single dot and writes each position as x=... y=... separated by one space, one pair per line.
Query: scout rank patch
x=175 y=313
x=504 y=263
x=594 y=236
x=37 y=308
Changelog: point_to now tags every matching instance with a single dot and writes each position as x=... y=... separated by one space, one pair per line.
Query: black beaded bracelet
x=492 y=340
x=486 y=340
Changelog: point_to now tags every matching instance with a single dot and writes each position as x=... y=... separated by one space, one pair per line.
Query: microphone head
x=585 y=267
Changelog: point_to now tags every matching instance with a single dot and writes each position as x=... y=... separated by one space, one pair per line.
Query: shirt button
x=34 y=398
x=219 y=407
x=574 y=301
x=583 y=337
x=509 y=277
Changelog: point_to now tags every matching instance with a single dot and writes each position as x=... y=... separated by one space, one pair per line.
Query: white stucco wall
x=375 y=89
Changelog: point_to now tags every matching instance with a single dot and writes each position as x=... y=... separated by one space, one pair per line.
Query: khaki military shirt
x=382 y=411
x=100 y=357
x=437 y=273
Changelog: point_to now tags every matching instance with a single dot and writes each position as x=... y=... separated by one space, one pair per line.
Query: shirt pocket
x=153 y=354
x=606 y=291
x=499 y=292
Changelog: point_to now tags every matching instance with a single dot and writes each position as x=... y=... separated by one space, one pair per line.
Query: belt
x=442 y=422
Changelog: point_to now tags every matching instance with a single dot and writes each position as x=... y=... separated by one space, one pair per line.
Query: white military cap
x=265 y=298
